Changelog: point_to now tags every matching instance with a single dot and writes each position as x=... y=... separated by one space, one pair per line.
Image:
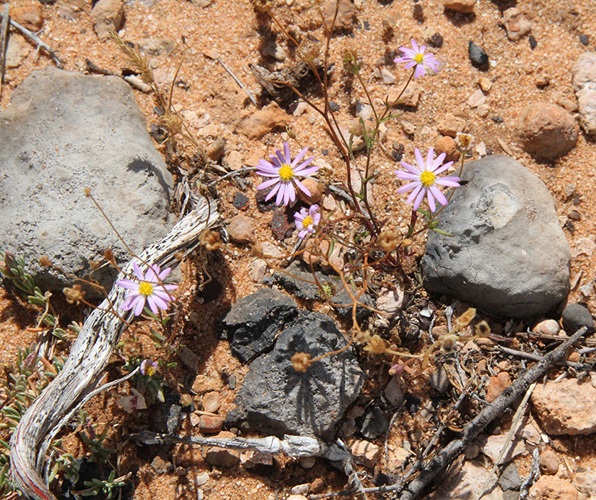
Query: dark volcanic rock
x=275 y=399
x=254 y=321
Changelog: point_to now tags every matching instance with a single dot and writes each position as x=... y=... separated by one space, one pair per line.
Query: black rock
x=276 y=399
x=584 y=39
x=436 y=40
x=253 y=322
x=576 y=316
x=166 y=418
x=477 y=55
x=533 y=42
x=342 y=298
x=240 y=201
x=375 y=421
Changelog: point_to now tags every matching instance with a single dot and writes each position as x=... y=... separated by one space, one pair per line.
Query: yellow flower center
x=145 y=288
x=150 y=370
x=419 y=58
x=286 y=173
x=307 y=221
x=427 y=178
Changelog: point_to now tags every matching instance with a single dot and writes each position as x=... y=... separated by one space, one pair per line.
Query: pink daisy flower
x=416 y=56
x=284 y=175
x=307 y=220
x=424 y=181
x=148 y=288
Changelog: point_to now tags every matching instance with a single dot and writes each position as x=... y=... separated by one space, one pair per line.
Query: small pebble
x=210 y=424
x=315 y=188
x=533 y=42
x=408 y=128
x=547 y=327
x=546 y=130
x=436 y=40
x=241 y=230
x=463 y=6
x=584 y=39
x=478 y=56
x=240 y=201
x=549 y=462
x=576 y=316
x=542 y=80
x=365 y=453
x=211 y=401
x=447 y=145
x=450 y=125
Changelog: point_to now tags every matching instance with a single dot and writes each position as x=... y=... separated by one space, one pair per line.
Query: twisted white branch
x=90 y=354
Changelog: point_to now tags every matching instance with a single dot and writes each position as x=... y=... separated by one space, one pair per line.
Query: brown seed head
x=482 y=329
x=211 y=240
x=74 y=295
x=388 y=240
x=376 y=345
x=301 y=362
x=45 y=261
x=465 y=319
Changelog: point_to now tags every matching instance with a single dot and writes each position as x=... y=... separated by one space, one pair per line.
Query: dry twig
x=486 y=416
x=3 y=43
x=38 y=41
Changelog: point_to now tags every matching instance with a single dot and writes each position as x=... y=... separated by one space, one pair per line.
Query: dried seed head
x=301 y=362
x=482 y=329
x=108 y=254
x=74 y=295
x=464 y=142
x=45 y=261
x=87 y=192
x=257 y=251
x=211 y=240
x=376 y=345
x=465 y=319
x=352 y=62
x=448 y=343
x=388 y=240
x=309 y=50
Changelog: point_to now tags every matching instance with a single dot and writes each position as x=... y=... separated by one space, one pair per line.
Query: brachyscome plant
x=147 y=288
x=285 y=175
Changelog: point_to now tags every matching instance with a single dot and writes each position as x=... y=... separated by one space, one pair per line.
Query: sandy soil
x=191 y=36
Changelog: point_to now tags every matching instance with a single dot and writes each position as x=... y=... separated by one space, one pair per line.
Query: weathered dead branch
x=82 y=373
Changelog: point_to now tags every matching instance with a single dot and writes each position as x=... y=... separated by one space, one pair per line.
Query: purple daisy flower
x=284 y=175
x=424 y=180
x=416 y=56
x=149 y=288
x=307 y=220
x=149 y=367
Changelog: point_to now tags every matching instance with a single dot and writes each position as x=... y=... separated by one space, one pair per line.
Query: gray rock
x=298 y=279
x=254 y=321
x=507 y=254
x=478 y=56
x=275 y=399
x=509 y=479
x=343 y=298
x=64 y=132
x=584 y=81
x=375 y=421
x=576 y=316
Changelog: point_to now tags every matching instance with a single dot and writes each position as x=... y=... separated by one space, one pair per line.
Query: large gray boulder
x=507 y=253
x=64 y=132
